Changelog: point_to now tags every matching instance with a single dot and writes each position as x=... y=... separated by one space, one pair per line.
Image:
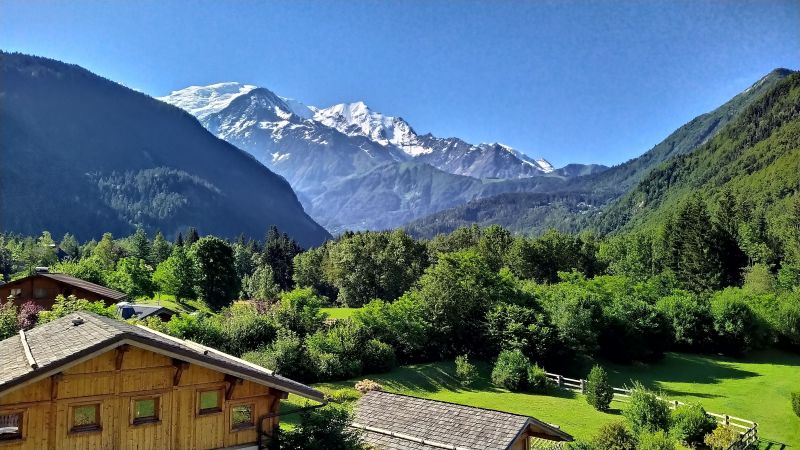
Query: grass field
x=168 y=301
x=755 y=388
x=339 y=313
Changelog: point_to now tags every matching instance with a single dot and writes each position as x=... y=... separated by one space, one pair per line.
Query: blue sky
x=572 y=81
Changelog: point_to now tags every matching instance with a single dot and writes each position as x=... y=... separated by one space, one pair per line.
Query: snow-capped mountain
x=449 y=154
x=354 y=168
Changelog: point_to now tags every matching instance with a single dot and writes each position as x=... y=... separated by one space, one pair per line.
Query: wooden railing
x=748 y=430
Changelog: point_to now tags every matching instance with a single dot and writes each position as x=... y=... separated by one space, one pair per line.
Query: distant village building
x=86 y=381
x=136 y=311
x=43 y=287
x=399 y=422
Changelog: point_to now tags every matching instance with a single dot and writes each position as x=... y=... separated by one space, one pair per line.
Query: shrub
x=28 y=315
x=511 y=370
x=645 y=412
x=690 y=424
x=655 y=441
x=244 y=329
x=796 y=402
x=599 y=391
x=367 y=385
x=614 y=436
x=377 y=357
x=721 y=438
x=579 y=445
x=8 y=319
x=537 y=379
x=342 y=395
x=284 y=355
x=64 y=306
x=466 y=372
x=325 y=428
x=336 y=354
x=736 y=325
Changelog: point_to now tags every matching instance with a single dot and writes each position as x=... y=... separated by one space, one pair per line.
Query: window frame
x=209 y=411
x=244 y=426
x=91 y=428
x=20 y=434
x=156 y=418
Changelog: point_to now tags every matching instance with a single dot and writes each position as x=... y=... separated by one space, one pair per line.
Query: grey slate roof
x=59 y=342
x=438 y=424
x=145 y=311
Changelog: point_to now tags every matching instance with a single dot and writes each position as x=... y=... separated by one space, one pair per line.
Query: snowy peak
x=358 y=119
x=201 y=101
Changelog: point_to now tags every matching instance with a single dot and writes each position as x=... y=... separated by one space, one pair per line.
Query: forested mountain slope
x=570 y=211
x=84 y=155
x=756 y=158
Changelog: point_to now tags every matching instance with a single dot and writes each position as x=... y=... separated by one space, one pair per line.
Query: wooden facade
x=43 y=288
x=129 y=387
x=113 y=381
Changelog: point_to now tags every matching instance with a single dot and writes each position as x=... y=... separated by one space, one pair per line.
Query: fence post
x=559 y=380
x=727 y=420
x=675 y=404
x=583 y=386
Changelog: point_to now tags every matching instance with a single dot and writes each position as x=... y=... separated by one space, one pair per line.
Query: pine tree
x=192 y=236
x=160 y=250
x=726 y=224
x=179 y=240
x=691 y=247
x=70 y=246
x=140 y=245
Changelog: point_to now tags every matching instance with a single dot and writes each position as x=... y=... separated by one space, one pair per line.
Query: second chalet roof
x=67 y=340
x=402 y=422
x=102 y=291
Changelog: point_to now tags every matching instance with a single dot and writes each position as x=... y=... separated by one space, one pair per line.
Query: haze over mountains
x=356 y=158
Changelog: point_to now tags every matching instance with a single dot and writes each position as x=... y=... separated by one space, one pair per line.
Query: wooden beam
x=28 y=354
x=54 y=379
x=180 y=366
x=120 y=355
x=232 y=382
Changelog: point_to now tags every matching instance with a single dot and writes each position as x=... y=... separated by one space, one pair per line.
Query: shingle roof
x=59 y=342
x=102 y=291
x=145 y=311
x=401 y=422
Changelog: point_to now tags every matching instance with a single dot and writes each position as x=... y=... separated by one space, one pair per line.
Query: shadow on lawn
x=433 y=378
x=678 y=368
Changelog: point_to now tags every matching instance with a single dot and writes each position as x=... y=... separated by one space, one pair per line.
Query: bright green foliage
x=795 y=397
x=140 y=245
x=511 y=370
x=176 y=274
x=133 y=277
x=737 y=327
x=107 y=252
x=493 y=245
x=614 y=436
x=8 y=319
x=721 y=438
x=90 y=269
x=279 y=251
x=245 y=328
x=691 y=319
x=308 y=271
x=457 y=293
x=511 y=326
x=402 y=324
x=690 y=424
x=160 y=250
x=70 y=246
x=655 y=441
x=217 y=282
x=691 y=247
x=64 y=306
x=466 y=372
x=377 y=357
x=645 y=411
x=599 y=391
x=261 y=284
x=299 y=311
x=537 y=379
x=336 y=353
x=284 y=355
x=321 y=429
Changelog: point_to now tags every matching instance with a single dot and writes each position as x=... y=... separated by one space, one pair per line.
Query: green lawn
x=755 y=388
x=339 y=313
x=168 y=301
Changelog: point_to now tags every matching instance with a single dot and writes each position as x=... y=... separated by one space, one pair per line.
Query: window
x=242 y=417
x=86 y=418
x=16 y=292
x=10 y=426
x=210 y=401
x=145 y=410
x=39 y=293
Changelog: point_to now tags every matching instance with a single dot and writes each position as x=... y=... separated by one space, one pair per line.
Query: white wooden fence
x=748 y=430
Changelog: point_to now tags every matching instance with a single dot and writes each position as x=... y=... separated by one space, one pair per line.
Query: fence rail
x=748 y=430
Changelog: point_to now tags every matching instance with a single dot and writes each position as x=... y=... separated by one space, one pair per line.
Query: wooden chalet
x=43 y=287
x=401 y=422
x=91 y=382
